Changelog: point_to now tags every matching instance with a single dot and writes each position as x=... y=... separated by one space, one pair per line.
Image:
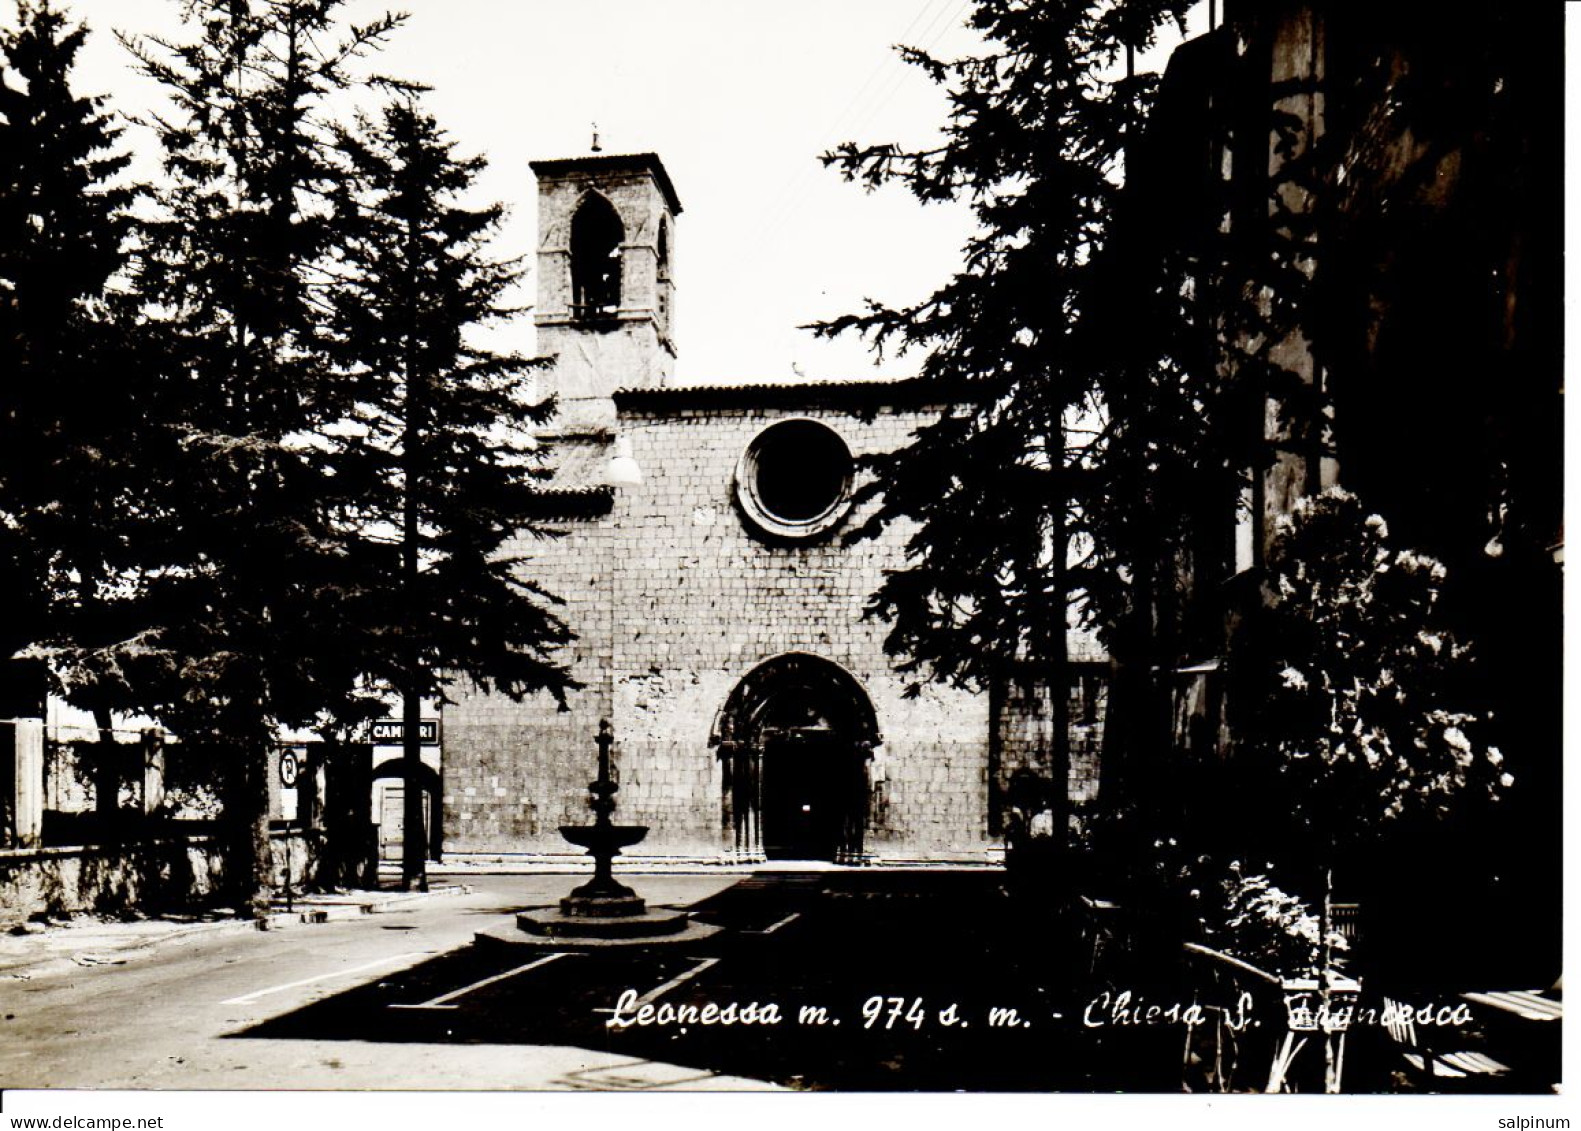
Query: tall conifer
x=69 y=487
x=996 y=490
x=247 y=613
x=444 y=446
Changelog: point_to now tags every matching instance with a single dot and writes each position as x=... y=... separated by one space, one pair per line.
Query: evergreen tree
x=68 y=480
x=1190 y=356
x=999 y=488
x=445 y=446
x=247 y=606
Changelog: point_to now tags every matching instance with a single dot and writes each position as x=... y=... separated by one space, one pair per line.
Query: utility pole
x=414 y=847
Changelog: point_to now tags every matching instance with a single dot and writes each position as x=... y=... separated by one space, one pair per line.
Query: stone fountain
x=602 y=912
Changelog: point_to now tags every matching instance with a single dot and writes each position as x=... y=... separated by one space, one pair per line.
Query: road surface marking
x=679 y=979
x=248 y=999
x=791 y=918
x=443 y=1000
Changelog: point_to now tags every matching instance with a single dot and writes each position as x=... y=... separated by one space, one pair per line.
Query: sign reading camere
x=392 y=732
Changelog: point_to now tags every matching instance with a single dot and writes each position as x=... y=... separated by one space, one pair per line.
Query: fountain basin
x=598 y=838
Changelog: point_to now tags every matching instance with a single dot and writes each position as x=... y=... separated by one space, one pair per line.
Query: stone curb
x=107 y=950
x=332 y=909
x=637 y=866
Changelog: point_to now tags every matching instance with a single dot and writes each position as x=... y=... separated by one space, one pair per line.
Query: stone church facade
x=718 y=611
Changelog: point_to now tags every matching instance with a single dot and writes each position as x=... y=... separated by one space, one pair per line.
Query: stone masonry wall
x=1026 y=728
x=514 y=772
x=676 y=600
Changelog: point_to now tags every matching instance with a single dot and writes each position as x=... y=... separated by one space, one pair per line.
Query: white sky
x=738 y=97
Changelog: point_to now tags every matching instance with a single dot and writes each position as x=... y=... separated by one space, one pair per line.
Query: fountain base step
x=520 y=936
x=558 y=924
x=603 y=906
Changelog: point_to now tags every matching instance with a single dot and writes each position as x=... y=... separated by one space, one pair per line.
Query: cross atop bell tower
x=605 y=278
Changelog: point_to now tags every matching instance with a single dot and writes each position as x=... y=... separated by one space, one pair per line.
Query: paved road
x=847 y=980
x=185 y=1014
x=841 y=980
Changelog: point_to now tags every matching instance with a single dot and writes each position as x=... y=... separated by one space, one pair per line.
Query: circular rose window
x=794 y=480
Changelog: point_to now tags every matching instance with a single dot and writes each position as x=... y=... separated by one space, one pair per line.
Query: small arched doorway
x=389 y=808
x=796 y=740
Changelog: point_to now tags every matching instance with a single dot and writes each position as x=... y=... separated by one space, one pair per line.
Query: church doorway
x=796 y=740
x=812 y=784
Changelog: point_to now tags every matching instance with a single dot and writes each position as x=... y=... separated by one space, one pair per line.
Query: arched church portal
x=796 y=740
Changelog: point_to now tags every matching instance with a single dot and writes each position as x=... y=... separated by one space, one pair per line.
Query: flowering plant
x=1350 y=683
x=1273 y=929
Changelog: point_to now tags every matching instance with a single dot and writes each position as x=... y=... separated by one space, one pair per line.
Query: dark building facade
x=1404 y=167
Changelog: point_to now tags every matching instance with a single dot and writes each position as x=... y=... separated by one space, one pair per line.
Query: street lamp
x=623 y=470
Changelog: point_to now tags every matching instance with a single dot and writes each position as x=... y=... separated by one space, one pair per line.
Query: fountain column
x=603 y=911
x=603 y=896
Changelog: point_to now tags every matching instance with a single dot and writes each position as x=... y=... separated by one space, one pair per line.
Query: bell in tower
x=605 y=287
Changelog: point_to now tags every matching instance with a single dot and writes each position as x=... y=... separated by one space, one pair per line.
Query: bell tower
x=606 y=291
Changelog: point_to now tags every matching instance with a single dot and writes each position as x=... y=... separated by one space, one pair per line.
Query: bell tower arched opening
x=597 y=243
x=606 y=282
x=796 y=739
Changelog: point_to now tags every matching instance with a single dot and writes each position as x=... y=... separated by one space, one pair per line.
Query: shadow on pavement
x=930 y=981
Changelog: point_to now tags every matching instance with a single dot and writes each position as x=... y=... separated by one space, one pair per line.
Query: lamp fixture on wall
x=623 y=470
